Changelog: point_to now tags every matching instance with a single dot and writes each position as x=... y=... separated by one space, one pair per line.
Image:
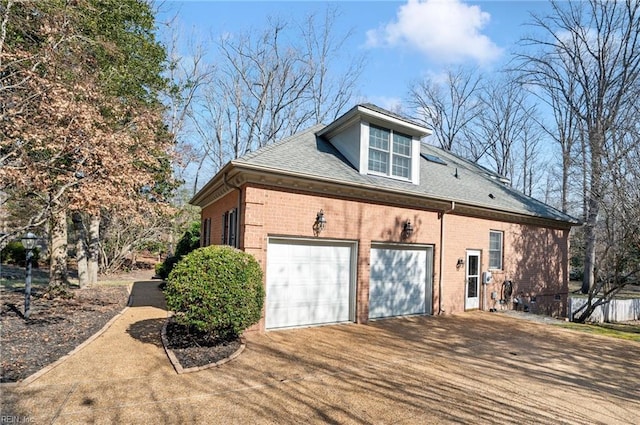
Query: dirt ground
x=467 y=368
x=54 y=329
x=56 y=326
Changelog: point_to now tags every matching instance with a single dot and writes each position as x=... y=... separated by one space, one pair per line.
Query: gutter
x=440 y=278
x=206 y=189
x=553 y=222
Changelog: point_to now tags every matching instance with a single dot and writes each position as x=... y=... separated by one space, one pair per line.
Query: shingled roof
x=443 y=175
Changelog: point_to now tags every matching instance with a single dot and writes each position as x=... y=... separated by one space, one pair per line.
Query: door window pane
x=472 y=287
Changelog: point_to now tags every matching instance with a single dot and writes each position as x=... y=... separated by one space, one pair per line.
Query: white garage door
x=308 y=282
x=400 y=281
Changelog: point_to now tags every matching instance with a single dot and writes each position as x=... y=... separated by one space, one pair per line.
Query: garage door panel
x=307 y=283
x=293 y=294
x=307 y=314
x=398 y=282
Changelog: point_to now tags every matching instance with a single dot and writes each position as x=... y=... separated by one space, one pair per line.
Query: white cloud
x=447 y=31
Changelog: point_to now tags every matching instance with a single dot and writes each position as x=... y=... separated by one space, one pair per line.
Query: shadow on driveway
x=147 y=294
x=147 y=331
x=478 y=368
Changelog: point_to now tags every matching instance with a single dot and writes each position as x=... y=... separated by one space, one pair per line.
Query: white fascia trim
x=379 y=118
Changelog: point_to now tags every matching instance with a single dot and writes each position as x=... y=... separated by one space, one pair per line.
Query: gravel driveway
x=467 y=368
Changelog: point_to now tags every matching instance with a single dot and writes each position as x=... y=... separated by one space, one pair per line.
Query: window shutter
x=206 y=237
x=233 y=226
x=225 y=227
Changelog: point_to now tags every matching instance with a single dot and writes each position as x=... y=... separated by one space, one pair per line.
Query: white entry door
x=472 y=290
x=308 y=282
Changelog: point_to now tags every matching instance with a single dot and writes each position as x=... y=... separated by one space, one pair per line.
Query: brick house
x=359 y=220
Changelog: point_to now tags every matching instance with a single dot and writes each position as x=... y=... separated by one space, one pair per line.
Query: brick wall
x=535 y=259
x=215 y=212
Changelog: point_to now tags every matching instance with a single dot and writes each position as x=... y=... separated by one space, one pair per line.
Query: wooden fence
x=613 y=311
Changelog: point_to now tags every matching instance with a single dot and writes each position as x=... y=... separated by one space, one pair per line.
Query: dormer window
x=389 y=158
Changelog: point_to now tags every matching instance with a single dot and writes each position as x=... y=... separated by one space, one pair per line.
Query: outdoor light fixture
x=460 y=263
x=407 y=229
x=320 y=223
x=29 y=242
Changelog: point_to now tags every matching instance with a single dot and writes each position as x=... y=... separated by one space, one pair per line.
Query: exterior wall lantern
x=407 y=230
x=29 y=243
x=320 y=223
x=460 y=263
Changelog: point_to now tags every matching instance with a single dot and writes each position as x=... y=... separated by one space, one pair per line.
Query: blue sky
x=402 y=41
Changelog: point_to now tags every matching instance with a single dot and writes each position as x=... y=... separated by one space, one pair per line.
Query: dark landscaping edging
x=176 y=363
x=29 y=379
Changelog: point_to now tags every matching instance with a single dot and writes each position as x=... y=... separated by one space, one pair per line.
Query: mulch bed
x=55 y=327
x=194 y=349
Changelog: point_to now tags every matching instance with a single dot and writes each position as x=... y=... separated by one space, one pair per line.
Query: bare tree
x=264 y=80
x=618 y=250
x=565 y=132
x=449 y=108
x=588 y=55
x=330 y=92
x=506 y=124
x=528 y=168
x=269 y=84
x=188 y=75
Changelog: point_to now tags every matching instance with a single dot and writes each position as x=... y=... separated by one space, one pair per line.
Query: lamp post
x=29 y=242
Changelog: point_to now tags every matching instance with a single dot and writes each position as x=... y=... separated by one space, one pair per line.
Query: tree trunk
x=566 y=164
x=596 y=141
x=590 y=245
x=94 y=248
x=585 y=180
x=82 y=251
x=58 y=283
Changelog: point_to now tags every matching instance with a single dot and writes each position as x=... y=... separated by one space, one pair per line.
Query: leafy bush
x=14 y=253
x=189 y=241
x=216 y=289
x=163 y=269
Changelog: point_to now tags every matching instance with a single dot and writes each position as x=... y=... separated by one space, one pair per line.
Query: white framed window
x=496 y=239
x=389 y=152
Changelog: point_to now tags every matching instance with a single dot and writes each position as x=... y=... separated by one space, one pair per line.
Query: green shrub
x=189 y=241
x=216 y=289
x=163 y=269
x=14 y=253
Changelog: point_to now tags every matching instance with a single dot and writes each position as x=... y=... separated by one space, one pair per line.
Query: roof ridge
x=251 y=155
x=392 y=114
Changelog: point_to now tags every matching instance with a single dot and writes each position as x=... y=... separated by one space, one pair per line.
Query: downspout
x=227 y=183
x=440 y=278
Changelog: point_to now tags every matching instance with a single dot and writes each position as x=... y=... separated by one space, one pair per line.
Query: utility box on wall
x=486 y=277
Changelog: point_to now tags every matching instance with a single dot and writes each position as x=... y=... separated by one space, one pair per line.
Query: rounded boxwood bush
x=216 y=289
